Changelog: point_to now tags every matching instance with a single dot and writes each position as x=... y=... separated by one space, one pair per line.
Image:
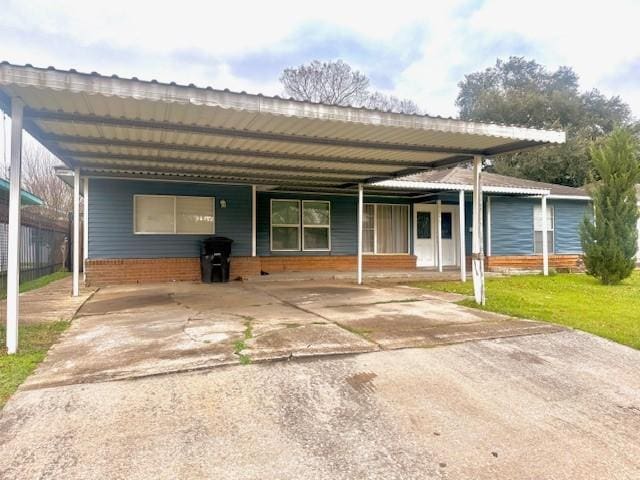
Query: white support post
x=76 y=232
x=439 y=233
x=488 y=226
x=13 y=249
x=360 y=214
x=462 y=236
x=85 y=228
x=477 y=247
x=545 y=243
x=253 y=221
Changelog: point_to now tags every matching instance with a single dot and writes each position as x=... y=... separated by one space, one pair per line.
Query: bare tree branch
x=336 y=83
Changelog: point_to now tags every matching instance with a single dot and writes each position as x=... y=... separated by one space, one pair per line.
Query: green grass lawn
x=38 y=282
x=574 y=300
x=34 y=341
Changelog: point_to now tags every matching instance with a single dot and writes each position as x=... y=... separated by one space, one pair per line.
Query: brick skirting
x=504 y=263
x=337 y=263
x=149 y=270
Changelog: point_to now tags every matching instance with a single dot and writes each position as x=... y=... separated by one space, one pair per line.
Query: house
x=512 y=220
x=296 y=185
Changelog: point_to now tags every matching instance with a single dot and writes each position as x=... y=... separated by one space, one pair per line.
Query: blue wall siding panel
x=111 y=219
x=344 y=225
x=569 y=215
x=512 y=225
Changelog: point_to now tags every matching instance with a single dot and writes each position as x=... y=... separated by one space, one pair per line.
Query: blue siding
x=512 y=225
x=569 y=215
x=344 y=227
x=111 y=219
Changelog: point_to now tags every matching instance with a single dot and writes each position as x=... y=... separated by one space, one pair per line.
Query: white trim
x=462 y=236
x=568 y=197
x=253 y=222
x=76 y=233
x=360 y=224
x=284 y=225
x=477 y=260
x=488 y=226
x=416 y=185
x=327 y=227
x=545 y=238
x=13 y=243
x=175 y=218
x=85 y=226
x=439 y=234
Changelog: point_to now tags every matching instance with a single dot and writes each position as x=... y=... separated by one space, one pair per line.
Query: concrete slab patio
x=50 y=303
x=136 y=331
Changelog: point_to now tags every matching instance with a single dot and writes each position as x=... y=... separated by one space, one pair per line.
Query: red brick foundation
x=503 y=263
x=150 y=270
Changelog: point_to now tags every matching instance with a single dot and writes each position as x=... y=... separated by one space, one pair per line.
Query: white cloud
x=151 y=39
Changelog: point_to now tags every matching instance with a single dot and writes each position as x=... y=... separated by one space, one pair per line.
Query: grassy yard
x=574 y=300
x=38 y=282
x=34 y=342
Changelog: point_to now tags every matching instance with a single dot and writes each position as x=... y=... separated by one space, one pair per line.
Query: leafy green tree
x=523 y=92
x=610 y=240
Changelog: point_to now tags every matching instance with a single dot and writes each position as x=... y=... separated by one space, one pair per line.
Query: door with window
x=426 y=235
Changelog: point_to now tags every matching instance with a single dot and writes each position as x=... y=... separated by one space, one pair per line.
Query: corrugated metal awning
x=128 y=127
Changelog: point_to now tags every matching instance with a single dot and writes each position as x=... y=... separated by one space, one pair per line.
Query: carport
x=111 y=127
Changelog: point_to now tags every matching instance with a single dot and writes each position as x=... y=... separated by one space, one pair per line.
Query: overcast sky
x=417 y=49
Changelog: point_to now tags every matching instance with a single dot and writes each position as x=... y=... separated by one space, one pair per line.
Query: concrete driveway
x=136 y=331
x=511 y=400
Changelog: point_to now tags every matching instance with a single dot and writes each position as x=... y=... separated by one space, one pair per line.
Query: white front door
x=425 y=235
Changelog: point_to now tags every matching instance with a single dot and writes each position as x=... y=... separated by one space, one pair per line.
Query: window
x=285 y=225
x=170 y=214
x=368 y=228
x=446 y=225
x=537 y=229
x=424 y=225
x=316 y=225
x=290 y=218
x=390 y=230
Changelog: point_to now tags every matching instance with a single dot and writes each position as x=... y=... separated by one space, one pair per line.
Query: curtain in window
x=368 y=228
x=392 y=228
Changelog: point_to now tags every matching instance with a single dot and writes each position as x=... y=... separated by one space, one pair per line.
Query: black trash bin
x=214 y=259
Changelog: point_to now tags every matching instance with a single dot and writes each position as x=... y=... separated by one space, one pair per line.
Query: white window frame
x=551 y=243
x=286 y=225
x=175 y=220
x=326 y=227
x=375 y=228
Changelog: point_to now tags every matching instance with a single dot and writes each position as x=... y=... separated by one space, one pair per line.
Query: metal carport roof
x=111 y=126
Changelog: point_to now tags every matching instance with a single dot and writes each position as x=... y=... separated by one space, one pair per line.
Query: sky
x=413 y=49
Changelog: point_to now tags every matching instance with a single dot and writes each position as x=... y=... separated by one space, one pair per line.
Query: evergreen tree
x=610 y=240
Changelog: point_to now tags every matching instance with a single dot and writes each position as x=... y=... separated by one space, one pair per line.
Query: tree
x=610 y=240
x=523 y=92
x=39 y=178
x=337 y=83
